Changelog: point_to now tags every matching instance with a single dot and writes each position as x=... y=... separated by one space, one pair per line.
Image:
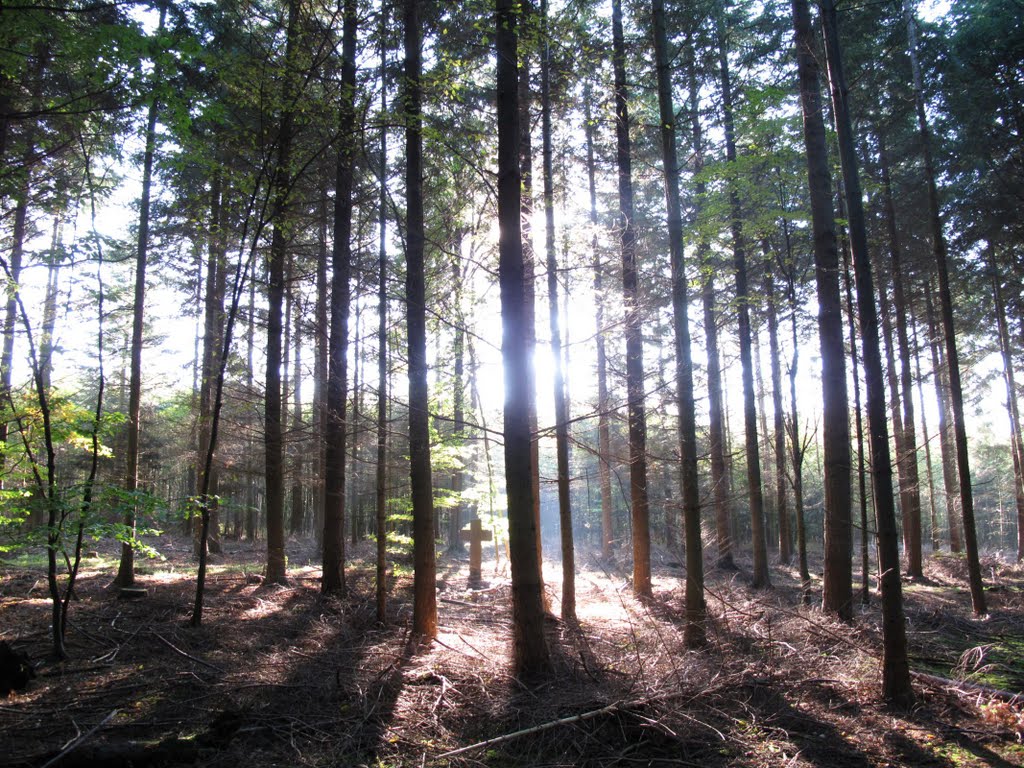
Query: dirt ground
x=278 y=676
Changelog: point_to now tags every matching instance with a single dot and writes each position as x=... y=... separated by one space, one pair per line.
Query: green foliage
x=98 y=520
x=195 y=506
x=14 y=512
x=71 y=426
x=399 y=542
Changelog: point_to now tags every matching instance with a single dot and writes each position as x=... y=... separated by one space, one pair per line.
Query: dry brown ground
x=278 y=676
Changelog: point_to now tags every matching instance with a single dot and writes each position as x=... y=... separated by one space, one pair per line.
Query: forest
x=517 y=383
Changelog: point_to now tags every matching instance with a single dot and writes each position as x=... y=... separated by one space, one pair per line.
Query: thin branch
x=188 y=656
x=79 y=741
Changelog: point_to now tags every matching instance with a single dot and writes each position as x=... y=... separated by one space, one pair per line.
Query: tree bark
x=381 y=475
x=456 y=513
x=356 y=514
x=761 y=578
x=797 y=443
x=603 y=403
x=287 y=439
x=764 y=437
x=561 y=407
x=424 y=615
x=320 y=368
x=837 y=594
x=946 y=447
x=298 y=511
x=529 y=270
x=895 y=411
x=251 y=522
x=896 y=686
x=333 y=579
x=862 y=491
x=946 y=312
x=907 y=459
x=213 y=319
x=632 y=321
x=696 y=612
x=126 y=568
x=50 y=306
x=779 y=431
x=18 y=234
x=530 y=651
x=273 y=438
x=1017 y=444
x=716 y=435
x=926 y=440
x=11 y=314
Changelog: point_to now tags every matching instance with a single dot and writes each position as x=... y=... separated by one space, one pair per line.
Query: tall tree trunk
x=696 y=612
x=225 y=330
x=50 y=306
x=287 y=437
x=381 y=475
x=779 y=433
x=356 y=521
x=798 y=448
x=273 y=435
x=213 y=319
x=716 y=420
x=530 y=650
x=895 y=411
x=435 y=420
x=946 y=311
x=603 y=403
x=561 y=407
x=333 y=580
x=862 y=491
x=18 y=234
x=126 y=568
x=424 y=612
x=768 y=491
x=298 y=511
x=456 y=512
x=761 y=578
x=320 y=367
x=632 y=321
x=530 y=262
x=837 y=592
x=946 y=446
x=896 y=686
x=11 y=315
x=250 y=486
x=1017 y=443
x=911 y=496
x=926 y=440
x=273 y=438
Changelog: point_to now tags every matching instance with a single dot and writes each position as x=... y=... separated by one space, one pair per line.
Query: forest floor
x=279 y=676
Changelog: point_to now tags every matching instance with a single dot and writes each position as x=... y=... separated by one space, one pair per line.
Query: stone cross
x=475 y=536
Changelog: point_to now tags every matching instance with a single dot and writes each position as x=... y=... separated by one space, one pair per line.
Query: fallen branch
x=535 y=729
x=613 y=707
x=171 y=751
x=109 y=656
x=965 y=687
x=79 y=741
x=466 y=603
x=189 y=656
